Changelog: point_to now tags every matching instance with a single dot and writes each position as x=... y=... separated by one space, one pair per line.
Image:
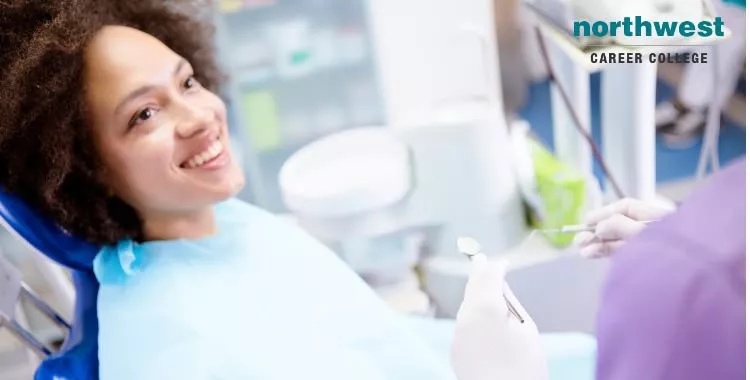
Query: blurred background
x=388 y=128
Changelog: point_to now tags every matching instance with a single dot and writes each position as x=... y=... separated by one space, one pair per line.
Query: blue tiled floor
x=670 y=164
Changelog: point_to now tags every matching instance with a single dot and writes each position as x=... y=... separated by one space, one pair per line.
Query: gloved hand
x=615 y=223
x=489 y=342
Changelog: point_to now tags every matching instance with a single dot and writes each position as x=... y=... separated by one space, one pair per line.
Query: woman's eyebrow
x=140 y=91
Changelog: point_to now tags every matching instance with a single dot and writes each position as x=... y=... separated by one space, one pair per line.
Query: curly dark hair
x=47 y=157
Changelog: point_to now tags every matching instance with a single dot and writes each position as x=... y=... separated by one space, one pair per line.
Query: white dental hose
x=710 y=148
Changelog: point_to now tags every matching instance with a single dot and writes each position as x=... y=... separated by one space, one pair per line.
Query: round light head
x=468 y=246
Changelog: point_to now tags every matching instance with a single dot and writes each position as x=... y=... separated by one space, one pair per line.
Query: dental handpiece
x=470 y=248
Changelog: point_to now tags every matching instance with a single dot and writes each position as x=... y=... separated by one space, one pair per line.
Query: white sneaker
x=686 y=131
x=666 y=114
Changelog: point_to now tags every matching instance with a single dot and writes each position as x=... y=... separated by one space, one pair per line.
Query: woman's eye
x=142 y=116
x=190 y=82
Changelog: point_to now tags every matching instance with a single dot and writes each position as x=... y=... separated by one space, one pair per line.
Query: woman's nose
x=194 y=120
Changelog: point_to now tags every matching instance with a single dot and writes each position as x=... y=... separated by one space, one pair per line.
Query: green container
x=261 y=117
x=560 y=193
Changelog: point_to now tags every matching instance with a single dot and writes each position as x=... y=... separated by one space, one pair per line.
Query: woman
x=109 y=125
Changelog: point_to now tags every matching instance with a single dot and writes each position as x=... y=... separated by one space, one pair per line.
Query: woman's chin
x=231 y=186
x=220 y=187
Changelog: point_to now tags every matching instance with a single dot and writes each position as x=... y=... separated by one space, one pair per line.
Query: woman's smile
x=214 y=156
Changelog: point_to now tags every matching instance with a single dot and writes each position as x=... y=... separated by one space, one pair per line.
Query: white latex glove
x=489 y=342
x=615 y=223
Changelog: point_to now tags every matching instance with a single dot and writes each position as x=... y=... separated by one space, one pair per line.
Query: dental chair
x=77 y=358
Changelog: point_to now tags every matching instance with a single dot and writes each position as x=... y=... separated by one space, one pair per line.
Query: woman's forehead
x=120 y=59
x=117 y=50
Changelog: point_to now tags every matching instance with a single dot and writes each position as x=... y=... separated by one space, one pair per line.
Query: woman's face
x=162 y=137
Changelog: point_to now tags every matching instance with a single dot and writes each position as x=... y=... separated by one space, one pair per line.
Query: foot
x=667 y=113
x=685 y=131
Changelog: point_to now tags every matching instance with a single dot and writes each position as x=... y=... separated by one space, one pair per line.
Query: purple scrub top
x=673 y=306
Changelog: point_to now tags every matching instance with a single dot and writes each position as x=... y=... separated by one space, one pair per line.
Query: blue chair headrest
x=78 y=359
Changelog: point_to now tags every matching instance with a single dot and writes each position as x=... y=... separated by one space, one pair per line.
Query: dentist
x=673 y=306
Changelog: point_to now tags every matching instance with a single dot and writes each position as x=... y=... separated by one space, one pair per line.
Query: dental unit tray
x=559 y=17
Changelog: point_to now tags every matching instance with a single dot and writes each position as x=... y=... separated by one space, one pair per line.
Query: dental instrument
x=471 y=247
x=576 y=228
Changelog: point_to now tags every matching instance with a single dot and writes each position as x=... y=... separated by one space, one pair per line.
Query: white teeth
x=210 y=153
